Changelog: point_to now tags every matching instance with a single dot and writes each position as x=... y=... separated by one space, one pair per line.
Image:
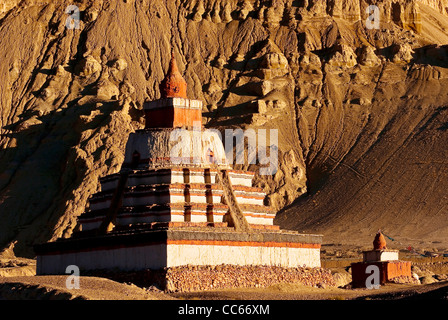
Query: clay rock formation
x=343 y=57
x=440 y=5
x=368 y=56
x=402 y=53
x=361 y=114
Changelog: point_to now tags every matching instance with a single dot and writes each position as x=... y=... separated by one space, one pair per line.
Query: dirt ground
x=54 y=287
x=92 y=288
x=299 y=292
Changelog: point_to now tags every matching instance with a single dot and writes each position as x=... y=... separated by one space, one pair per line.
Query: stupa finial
x=174 y=85
x=379 y=243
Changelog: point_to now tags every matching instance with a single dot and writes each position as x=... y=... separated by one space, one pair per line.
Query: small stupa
x=166 y=209
x=387 y=260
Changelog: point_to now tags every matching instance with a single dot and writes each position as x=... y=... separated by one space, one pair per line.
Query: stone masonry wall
x=189 y=278
x=198 y=278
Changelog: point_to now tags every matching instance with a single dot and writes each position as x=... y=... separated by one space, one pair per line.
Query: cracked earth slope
x=362 y=114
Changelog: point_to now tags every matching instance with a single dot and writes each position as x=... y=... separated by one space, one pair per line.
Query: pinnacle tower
x=173 y=85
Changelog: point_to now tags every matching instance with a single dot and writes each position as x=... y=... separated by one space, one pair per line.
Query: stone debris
x=405 y=279
x=342 y=279
x=427 y=280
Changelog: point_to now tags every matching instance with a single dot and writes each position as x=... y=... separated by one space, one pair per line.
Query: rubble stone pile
x=405 y=279
x=195 y=278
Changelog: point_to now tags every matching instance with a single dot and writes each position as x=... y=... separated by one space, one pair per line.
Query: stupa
x=166 y=209
x=387 y=261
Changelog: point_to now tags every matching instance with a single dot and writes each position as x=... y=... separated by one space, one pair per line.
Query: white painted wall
x=199 y=218
x=109 y=185
x=244 y=198
x=161 y=255
x=196 y=178
x=177 y=177
x=198 y=198
x=240 y=179
x=380 y=255
x=242 y=255
x=130 y=201
x=126 y=259
x=99 y=205
x=90 y=225
x=131 y=219
x=218 y=217
x=257 y=220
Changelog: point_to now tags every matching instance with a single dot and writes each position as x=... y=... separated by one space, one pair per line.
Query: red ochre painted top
x=379 y=243
x=180 y=113
x=174 y=85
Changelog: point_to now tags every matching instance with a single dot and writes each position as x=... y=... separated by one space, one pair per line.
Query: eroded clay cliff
x=361 y=113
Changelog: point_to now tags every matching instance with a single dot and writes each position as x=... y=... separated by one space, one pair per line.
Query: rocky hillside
x=362 y=114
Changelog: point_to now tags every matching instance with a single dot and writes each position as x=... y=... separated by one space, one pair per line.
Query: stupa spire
x=379 y=243
x=173 y=85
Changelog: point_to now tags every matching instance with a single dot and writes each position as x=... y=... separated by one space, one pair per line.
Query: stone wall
x=193 y=278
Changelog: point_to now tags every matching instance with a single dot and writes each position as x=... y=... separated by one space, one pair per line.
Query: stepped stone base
x=156 y=249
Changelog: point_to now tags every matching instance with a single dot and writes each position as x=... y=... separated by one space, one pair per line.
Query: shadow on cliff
x=44 y=153
x=432 y=55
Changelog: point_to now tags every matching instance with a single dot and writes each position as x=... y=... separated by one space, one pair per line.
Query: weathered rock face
x=361 y=113
x=439 y=5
